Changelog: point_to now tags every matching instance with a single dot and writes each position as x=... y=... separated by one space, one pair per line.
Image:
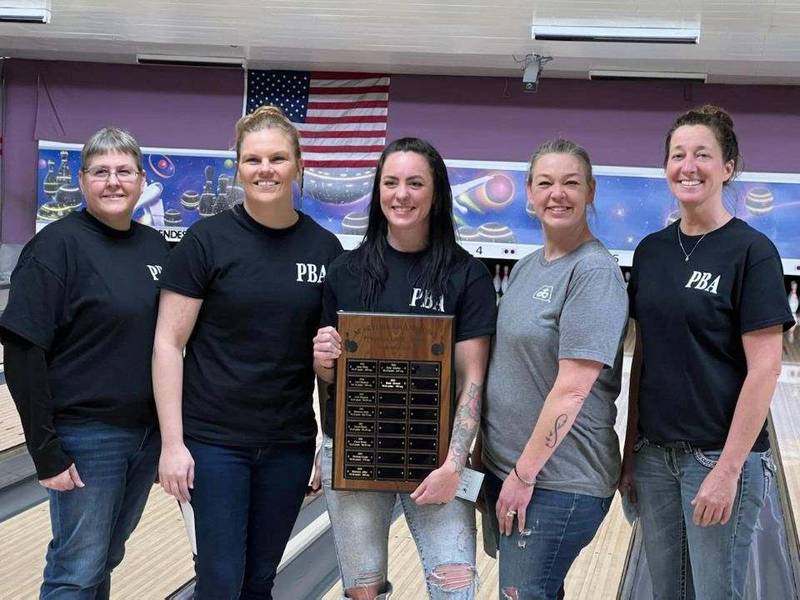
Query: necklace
x=680 y=243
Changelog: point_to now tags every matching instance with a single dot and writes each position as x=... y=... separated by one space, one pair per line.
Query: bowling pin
x=496 y=283
x=504 y=281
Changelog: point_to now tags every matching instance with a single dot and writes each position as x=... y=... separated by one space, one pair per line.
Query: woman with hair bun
x=242 y=293
x=708 y=299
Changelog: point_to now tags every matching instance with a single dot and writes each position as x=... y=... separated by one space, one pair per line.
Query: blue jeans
x=91 y=524
x=534 y=562
x=245 y=503
x=687 y=561
x=444 y=535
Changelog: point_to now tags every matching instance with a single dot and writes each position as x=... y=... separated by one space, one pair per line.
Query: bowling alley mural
x=490 y=207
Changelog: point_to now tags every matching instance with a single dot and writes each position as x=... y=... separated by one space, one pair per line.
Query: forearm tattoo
x=465 y=425
x=552 y=438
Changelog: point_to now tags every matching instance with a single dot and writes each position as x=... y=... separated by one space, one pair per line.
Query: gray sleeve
x=593 y=317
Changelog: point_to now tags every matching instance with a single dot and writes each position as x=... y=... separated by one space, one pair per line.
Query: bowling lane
x=158 y=558
x=10 y=426
x=775 y=564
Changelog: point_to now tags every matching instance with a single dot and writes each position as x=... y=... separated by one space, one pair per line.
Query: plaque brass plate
x=393 y=400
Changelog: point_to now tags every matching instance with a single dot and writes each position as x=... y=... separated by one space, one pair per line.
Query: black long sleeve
x=26 y=375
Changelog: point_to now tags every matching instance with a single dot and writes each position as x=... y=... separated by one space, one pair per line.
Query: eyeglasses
x=124 y=175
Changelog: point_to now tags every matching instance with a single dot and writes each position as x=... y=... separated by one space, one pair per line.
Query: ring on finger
x=510 y=513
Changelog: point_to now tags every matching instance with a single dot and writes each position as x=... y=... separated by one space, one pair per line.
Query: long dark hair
x=442 y=251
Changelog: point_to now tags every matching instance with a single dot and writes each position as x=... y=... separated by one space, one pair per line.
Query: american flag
x=341 y=116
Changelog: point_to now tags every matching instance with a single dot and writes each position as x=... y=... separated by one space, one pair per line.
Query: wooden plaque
x=393 y=397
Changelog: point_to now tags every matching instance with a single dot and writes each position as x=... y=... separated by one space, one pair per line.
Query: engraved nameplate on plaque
x=393 y=399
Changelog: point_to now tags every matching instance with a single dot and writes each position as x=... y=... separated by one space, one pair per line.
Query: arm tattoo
x=465 y=425
x=552 y=438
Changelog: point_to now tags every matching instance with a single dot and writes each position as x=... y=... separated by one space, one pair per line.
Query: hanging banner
x=494 y=218
x=490 y=206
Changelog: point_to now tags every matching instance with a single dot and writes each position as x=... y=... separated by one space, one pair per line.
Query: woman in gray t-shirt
x=549 y=446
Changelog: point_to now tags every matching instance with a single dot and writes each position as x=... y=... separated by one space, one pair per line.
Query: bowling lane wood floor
x=10 y=425
x=598 y=570
x=785 y=412
x=158 y=557
x=596 y=573
x=159 y=560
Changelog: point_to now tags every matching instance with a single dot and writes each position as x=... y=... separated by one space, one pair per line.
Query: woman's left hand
x=714 y=500
x=439 y=487
x=512 y=502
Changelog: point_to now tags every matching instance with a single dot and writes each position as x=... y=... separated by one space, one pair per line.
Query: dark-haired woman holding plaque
x=409 y=262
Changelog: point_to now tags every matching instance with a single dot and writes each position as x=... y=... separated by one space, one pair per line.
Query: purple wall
x=620 y=123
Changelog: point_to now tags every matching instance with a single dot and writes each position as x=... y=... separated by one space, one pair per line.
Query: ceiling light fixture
x=626 y=34
x=600 y=74
x=191 y=61
x=25 y=11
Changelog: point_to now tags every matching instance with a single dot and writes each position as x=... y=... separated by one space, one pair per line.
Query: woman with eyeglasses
x=81 y=311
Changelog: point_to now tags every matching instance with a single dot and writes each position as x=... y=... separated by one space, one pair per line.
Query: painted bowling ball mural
x=760 y=205
x=759 y=201
x=496 y=193
x=337 y=192
x=490 y=204
x=487 y=204
x=496 y=232
x=355 y=223
x=492 y=193
x=465 y=233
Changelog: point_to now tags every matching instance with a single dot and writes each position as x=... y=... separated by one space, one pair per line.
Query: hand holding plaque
x=393 y=390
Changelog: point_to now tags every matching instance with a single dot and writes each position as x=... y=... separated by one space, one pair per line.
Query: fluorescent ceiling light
x=675 y=75
x=25 y=11
x=626 y=34
x=190 y=61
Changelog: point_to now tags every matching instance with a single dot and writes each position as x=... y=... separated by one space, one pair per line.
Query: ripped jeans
x=558 y=525
x=444 y=535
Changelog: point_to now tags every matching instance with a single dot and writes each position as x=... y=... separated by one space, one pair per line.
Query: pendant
x=686 y=259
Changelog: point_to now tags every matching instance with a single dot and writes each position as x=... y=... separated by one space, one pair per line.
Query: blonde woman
x=242 y=293
x=548 y=425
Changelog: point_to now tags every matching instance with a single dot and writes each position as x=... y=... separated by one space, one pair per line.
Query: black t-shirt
x=692 y=315
x=248 y=373
x=469 y=296
x=87 y=295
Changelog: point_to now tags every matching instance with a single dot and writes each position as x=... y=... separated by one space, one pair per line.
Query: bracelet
x=523 y=481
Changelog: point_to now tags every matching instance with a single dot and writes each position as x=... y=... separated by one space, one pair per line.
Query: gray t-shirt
x=572 y=307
